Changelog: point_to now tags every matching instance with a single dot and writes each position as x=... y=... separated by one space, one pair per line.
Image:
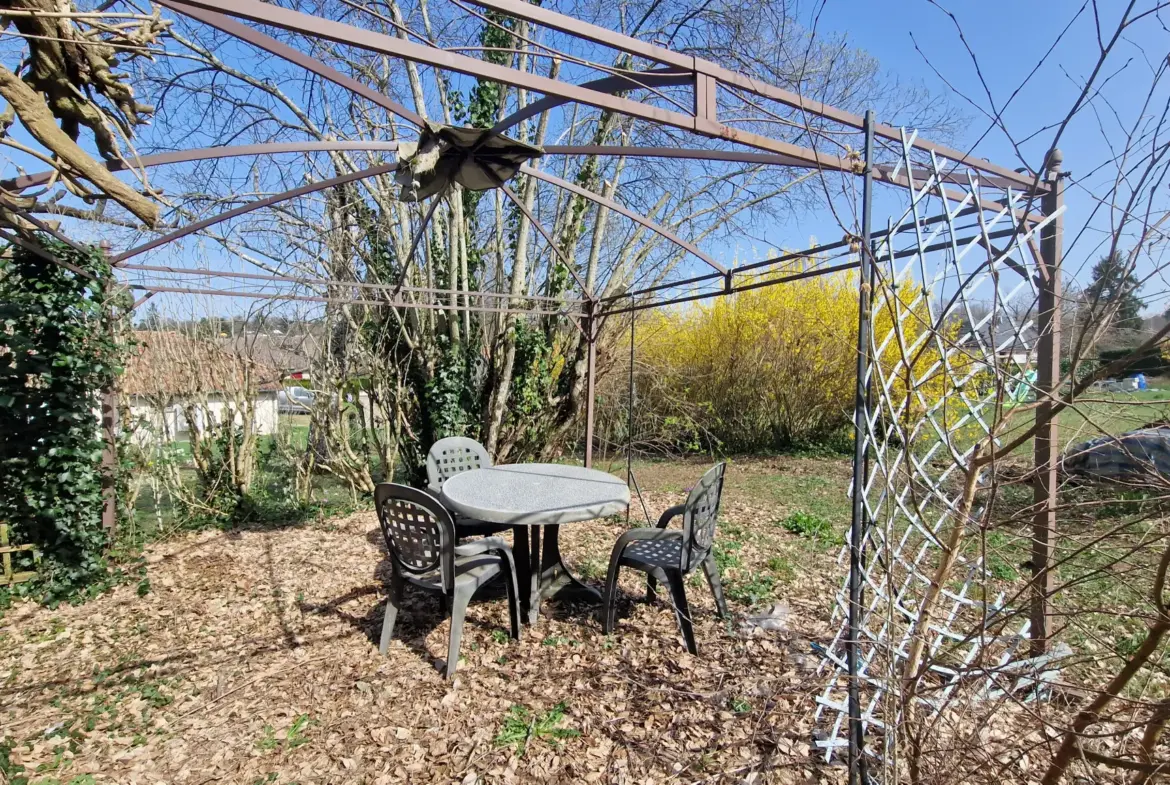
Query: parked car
x=295 y=400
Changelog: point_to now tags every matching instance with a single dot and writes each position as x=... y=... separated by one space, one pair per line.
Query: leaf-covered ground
x=251 y=657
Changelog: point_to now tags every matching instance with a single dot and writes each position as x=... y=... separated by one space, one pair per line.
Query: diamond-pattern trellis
x=953 y=322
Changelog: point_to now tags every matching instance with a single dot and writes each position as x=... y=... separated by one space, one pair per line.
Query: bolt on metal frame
x=885 y=528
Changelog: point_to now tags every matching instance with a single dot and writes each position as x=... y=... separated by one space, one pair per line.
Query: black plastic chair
x=420 y=538
x=455 y=455
x=669 y=555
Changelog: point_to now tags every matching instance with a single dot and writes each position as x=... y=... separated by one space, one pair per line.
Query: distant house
x=290 y=354
x=1011 y=343
x=174 y=383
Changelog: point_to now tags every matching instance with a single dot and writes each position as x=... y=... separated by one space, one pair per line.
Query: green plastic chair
x=455 y=455
x=420 y=537
x=669 y=555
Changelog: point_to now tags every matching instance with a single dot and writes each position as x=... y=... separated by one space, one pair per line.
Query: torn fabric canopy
x=475 y=158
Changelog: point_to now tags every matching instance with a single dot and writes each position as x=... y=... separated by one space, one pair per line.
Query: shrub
x=806 y=524
x=775 y=367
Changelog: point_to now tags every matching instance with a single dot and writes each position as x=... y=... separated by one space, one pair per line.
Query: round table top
x=535 y=494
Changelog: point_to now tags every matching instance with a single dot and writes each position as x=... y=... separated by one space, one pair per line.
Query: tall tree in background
x=1114 y=290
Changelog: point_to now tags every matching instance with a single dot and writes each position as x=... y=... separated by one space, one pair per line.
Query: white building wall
x=264 y=417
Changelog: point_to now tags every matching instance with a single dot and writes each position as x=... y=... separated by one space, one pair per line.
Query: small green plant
x=752 y=588
x=268 y=739
x=557 y=640
x=152 y=695
x=522 y=726
x=143 y=587
x=294 y=737
x=296 y=733
x=782 y=568
x=1128 y=645
x=805 y=524
x=740 y=706
x=591 y=569
x=11 y=771
x=1001 y=570
x=725 y=555
x=499 y=636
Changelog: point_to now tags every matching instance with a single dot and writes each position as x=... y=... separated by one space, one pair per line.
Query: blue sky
x=1009 y=39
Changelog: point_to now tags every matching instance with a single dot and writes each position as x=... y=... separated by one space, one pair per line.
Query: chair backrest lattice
x=701 y=516
x=454 y=455
x=419 y=533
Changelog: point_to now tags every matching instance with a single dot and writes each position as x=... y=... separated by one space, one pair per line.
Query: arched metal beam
x=882 y=172
x=208 y=153
x=308 y=188
x=702 y=122
x=618 y=208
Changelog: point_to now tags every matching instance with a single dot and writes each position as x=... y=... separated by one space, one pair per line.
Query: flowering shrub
x=775 y=367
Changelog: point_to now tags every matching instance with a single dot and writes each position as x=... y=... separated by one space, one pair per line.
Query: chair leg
x=513 y=601
x=392 y=602
x=651 y=588
x=682 y=611
x=711 y=570
x=444 y=606
x=608 y=597
x=458 y=612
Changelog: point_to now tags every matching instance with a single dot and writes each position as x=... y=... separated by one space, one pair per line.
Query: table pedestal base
x=544 y=575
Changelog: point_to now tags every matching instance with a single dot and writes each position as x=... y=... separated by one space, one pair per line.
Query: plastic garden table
x=530 y=497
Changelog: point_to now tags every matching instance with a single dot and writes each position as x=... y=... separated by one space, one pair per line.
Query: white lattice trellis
x=955 y=295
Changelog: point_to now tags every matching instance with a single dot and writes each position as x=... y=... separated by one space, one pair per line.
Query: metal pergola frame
x=610 y=93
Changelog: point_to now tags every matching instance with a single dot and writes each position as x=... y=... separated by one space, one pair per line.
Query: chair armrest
x=483 y=545
x=671 y=513
x=434 y=489
x=494 y=545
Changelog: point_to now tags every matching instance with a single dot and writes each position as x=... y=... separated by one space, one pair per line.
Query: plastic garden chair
x=451 y=456
x=420 y=537
x=669 y=555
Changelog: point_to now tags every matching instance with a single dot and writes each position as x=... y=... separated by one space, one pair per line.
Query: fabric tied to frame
x=475 y=158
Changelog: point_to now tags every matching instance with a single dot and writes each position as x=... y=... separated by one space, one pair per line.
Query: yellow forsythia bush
x=775 y=367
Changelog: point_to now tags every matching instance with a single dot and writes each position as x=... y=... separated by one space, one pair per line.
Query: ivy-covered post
x=109 y=421
x=58 y=354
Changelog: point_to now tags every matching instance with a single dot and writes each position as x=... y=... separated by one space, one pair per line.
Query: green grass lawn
x=1093 y=415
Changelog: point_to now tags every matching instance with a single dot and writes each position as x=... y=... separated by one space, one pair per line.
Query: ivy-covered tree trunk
x=57 y=351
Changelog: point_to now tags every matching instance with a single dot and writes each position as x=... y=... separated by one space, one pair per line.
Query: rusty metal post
x=591 y=378
x=109 y=412
x=860 y=433
x=1047 y=387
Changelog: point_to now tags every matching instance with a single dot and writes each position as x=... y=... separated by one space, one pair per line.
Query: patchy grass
x=812 y=526
x=523 y=727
